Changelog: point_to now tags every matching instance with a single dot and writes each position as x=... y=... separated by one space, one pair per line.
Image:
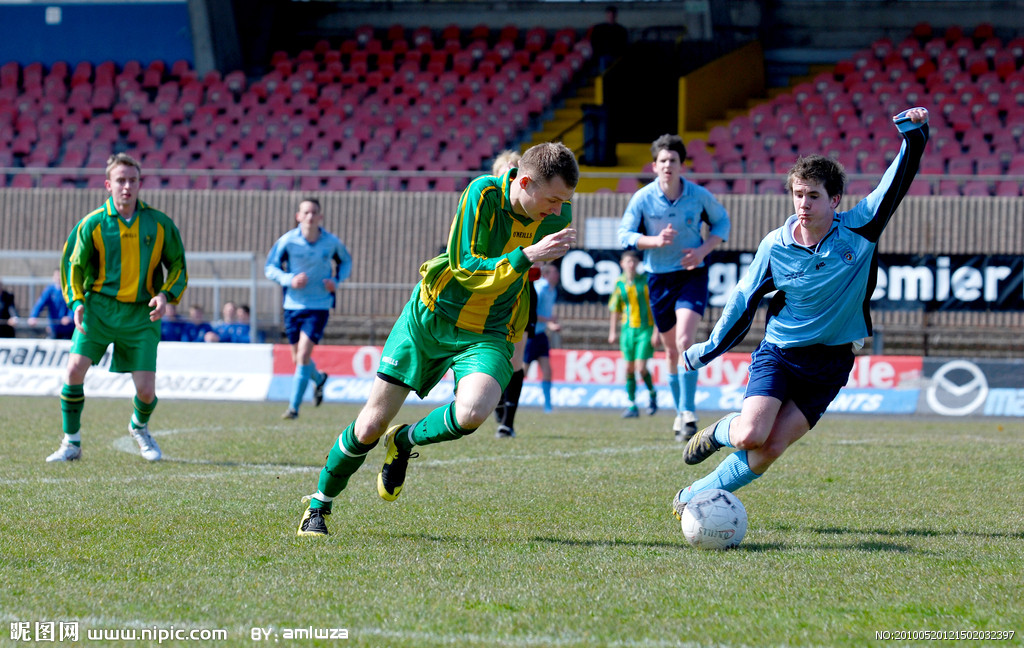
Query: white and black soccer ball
x=714 y=519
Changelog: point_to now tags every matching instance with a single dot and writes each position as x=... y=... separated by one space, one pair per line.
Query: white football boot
x=147 y=446
x=66 y=452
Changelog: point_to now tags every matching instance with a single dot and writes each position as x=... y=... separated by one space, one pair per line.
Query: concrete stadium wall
x=391 y=233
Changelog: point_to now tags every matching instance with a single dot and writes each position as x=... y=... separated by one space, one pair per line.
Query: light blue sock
x=732 y=474
x=690 y=391
x=314 y=373
x=545 y=387
x=722 y=430
x=673 y=386
x=299 y=384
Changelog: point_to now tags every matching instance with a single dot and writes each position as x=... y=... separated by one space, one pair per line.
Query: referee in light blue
x=666 y=220
x=821 y=265
x=309 y=262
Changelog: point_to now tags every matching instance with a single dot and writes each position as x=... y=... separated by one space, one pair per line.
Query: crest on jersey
x=845 y=252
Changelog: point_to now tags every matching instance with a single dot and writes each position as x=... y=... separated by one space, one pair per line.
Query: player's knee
x=746 y=437
x=684 y=341
x=75 y=372
x=368 y=434
x=370 y=426
x=471 y=414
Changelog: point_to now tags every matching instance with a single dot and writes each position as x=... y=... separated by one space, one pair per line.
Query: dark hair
x=818 y=168
x=545 y=161
x=315 y=201
x=632 y=252
x=669 y=143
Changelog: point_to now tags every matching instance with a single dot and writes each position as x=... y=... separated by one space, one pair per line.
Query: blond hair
x=505 y=161
x=122 y=159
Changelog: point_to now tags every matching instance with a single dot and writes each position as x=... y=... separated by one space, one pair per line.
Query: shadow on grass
x=868 y=546
x=923 y=533
x=744 y=547
x=562 y=542
x=261 y=465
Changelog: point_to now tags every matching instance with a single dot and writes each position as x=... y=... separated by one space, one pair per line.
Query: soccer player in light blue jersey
x=821 y=266
x=666 y=220
x=309 y=262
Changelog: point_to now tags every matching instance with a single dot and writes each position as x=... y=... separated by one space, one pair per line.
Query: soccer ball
x=714 y=519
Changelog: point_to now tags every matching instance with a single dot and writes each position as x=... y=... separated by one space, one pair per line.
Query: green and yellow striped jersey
x=130 y=261
x=479 y=283
x=632 y=299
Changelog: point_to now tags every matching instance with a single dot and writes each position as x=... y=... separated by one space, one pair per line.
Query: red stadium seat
x=976 y=188
x=1007 y=188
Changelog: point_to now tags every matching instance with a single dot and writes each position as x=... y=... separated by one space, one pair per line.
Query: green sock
x=72 y=402
x=440 y=425
x=346 y=455
x=140 y=417
x=631 y=388
x=649 y=383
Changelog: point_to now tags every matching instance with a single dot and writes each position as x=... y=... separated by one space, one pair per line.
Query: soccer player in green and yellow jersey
x=464 y=315
x=122 y=264
x=630 y=304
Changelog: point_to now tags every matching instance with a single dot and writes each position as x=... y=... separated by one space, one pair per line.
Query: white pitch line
x=127 y=445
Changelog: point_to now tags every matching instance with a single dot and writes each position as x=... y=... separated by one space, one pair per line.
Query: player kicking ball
x=465 y=315
x=821 y=265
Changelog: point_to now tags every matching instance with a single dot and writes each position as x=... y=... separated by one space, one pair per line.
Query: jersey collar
x=789 y=241
x=111 y=210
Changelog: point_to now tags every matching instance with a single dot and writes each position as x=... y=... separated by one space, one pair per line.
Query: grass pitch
x=561 y=537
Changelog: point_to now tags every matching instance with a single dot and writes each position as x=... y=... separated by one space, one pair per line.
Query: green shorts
x=635 y=343
x=422 y=347
x=126 y=326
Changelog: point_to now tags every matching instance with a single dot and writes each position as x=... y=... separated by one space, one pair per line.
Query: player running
x=309 y=262
x=665 y=220
x=464 y=315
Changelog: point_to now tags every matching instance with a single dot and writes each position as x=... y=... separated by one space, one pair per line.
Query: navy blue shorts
x=536 y=347
x=810 y=376
x=311 y=322
x=673 y=290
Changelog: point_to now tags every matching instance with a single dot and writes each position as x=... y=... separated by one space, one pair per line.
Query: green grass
x=560 y=537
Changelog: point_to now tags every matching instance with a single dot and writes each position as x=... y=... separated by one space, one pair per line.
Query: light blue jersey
x=823 y=292
x=649 y=211
x=326 y=259
x=546 y=295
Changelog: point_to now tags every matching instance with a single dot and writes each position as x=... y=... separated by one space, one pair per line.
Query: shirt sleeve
x=79 y=252
x=471 y=266
x=718 y=218
x=615 y=300
x=871 y=215
x=274 y=267
x=344 y=263
x=739 y=311
x=629 y=226
x=174 y=260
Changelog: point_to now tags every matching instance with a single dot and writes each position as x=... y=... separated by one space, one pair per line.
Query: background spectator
x=8 y=313
x=52 y=301
x=172 y=328
x=197 y=329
